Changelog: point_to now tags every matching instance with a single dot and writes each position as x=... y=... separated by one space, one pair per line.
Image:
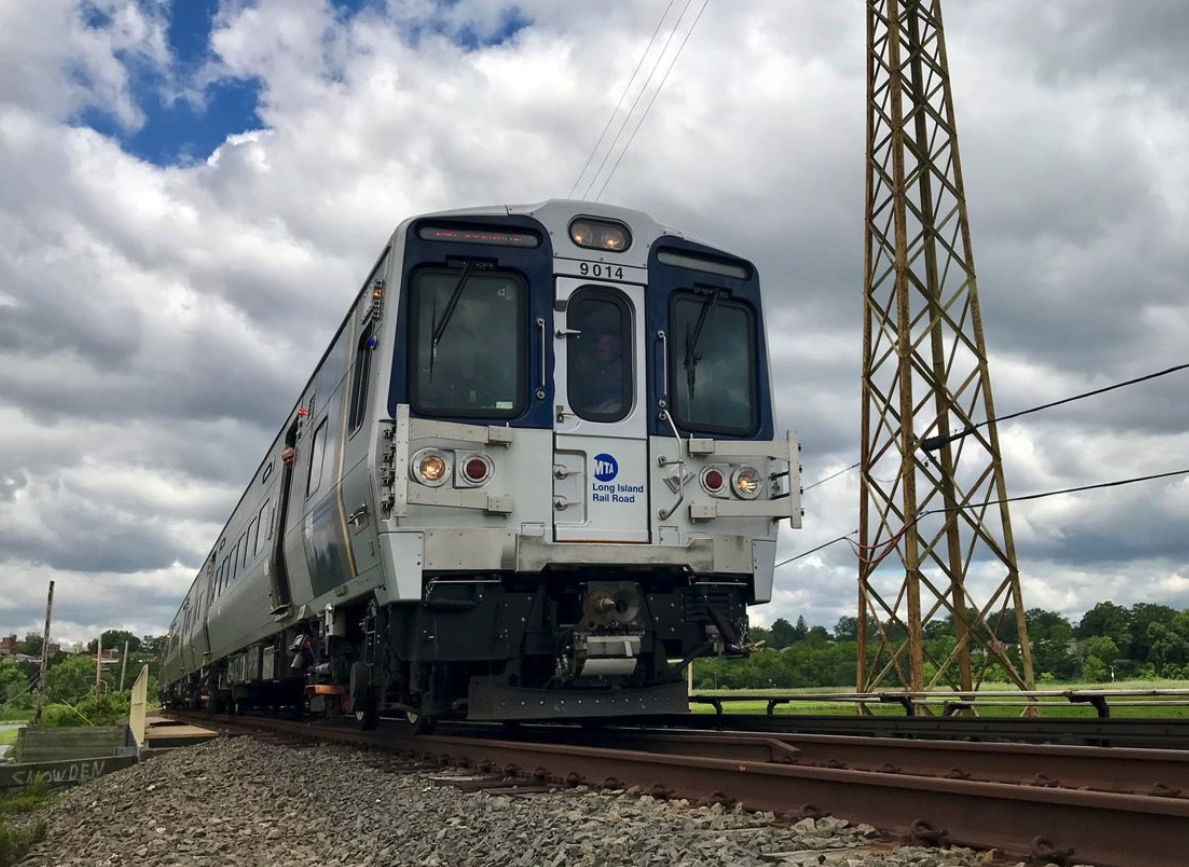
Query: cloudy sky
x=191 y=192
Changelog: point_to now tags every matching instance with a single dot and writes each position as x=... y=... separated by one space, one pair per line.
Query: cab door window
x=599 y=355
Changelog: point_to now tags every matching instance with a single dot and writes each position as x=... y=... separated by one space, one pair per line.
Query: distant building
x=8 y=645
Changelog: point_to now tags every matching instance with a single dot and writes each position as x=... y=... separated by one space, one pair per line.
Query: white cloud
x=63 y=57
x=131 y=293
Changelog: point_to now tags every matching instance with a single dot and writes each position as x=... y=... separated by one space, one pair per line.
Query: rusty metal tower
x=930 y=521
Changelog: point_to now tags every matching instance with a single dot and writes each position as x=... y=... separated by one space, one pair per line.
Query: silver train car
x=533 y=476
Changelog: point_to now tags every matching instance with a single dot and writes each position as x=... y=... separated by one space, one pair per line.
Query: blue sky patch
x=176 y=132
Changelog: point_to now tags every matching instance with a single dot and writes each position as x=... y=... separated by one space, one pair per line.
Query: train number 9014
x=595 y=269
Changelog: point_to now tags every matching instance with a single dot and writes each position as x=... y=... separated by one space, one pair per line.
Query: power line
x=1021 y=497
x=623 y=95
x=1041 y=496
x=931 y=444
x=831 y=476
x=815 y=550
x=659 y=88
x=636 y=101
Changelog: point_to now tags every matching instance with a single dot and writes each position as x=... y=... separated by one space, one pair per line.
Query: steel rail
x=1143 y=733
x=1102 y=828
x=1131 y=771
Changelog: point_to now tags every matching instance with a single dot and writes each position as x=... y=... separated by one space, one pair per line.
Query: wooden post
x=45 y=655
x=98 y=664
x=123 y=666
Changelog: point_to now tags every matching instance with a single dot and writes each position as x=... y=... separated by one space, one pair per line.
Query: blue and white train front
x=578 y=481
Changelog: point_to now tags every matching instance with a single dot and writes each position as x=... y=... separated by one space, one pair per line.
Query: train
x=533 y=476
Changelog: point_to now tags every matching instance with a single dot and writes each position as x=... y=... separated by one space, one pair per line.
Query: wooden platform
x=162 y=733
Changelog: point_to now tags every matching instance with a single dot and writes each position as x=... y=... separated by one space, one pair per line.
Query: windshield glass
x=720 y=396
x=477 y=368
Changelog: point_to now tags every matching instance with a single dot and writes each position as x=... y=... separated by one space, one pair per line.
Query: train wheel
x=419 y=723
x=367 y=710
x=365 y=698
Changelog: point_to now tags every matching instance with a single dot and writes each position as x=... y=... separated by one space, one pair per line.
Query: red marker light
x=476 y=470
x=713 y=481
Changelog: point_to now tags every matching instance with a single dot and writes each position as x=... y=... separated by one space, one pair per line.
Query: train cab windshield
x=713 y=364
x=468 y=343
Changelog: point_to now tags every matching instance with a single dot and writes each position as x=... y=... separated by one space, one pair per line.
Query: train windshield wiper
x=440 y=325
x=693 y=341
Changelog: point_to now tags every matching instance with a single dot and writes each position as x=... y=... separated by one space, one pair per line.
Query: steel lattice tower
x=927 y=519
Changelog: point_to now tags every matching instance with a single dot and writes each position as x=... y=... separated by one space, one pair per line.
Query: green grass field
x=1049 y=707
x=8 y=737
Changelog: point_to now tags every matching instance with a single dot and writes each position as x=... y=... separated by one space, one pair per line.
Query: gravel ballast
x=246 y=801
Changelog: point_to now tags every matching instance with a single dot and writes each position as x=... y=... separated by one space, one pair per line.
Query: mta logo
x=606 y=467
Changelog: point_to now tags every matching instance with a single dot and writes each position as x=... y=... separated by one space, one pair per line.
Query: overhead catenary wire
x=623 y=96
x=648 y=108
x=636 y=102
x=931 y=444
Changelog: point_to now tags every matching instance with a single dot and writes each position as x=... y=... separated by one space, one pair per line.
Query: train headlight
x=600 y=235
x=746 y=482
x=430 y=467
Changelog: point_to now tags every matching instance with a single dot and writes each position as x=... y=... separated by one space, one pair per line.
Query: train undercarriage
x=566 y=643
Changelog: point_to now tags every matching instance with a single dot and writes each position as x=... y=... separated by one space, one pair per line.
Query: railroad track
x=1170 y=734
x=1085 y=805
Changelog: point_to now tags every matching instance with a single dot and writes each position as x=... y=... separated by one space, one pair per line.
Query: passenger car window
x=468 y=347
x=360 y=376
x=599 y=356
x=317 y=453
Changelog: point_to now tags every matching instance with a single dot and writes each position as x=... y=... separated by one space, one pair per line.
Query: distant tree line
x=1111 y=642
x=70 y=678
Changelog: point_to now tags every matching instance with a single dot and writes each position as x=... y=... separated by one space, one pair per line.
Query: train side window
x=360 y=376
x=226 y=571
x=468 y=346
x=317 y=453
x=599 y=359
x=253 y=540
x=266 y=519
x=235 y=561
x=247 y=546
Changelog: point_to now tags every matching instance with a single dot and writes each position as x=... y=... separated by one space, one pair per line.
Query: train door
x=277 y=570
x=600 y=458
x=204 y=647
